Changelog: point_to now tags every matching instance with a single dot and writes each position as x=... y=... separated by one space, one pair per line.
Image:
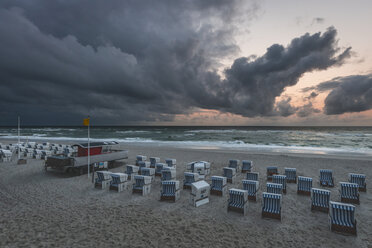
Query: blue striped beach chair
x=170 y=191
x=154 y=161
x=320 y=199
x=143 y=164
x=252 y=188
x=275 y=188
x=171 y=162
x=168 y=174
x=271 y=205
x=270 y=171
x=247 y=166
x=142 y=184
x=102 y=180
x=238 y=201
x=131 y=171
x=252 y=176
x=304 y=185
x=218 y=186
x=158 y=168
x=189 y=178
x=230 y=174
x=234 y=163
x=342 y=218
x=359 y=179
x=119 y=182
x=326 y=178
x=145 y=171
x=349 y=192
x=281 y=179
x=140 y=158
x=290 y=173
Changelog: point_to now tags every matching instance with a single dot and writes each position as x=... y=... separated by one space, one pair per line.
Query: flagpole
x=19 y=140
x=88 y=147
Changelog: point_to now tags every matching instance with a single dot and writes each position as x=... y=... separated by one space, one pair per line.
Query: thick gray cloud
x=307 y=110
x=138 y=61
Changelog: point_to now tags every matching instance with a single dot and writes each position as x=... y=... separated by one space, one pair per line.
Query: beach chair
x=168 y=174
x=230 y=174
x=238 y=201
x=275 y=188
x=140 y=158
x=234 y=163
x=252 y=176
x=131 y=171
x=326 y=178
x=281 y=179
x=154 y=161
x=349 y=192
x=359 y=179
x=247 y=166
x=304 y=185
x=102 y=179
x=170 y=191
x=342 y=218
x=271 y=170
x=119 y=182
x=271 y=205
x=290 y=173
x=171 y=162
x=252 y=188
x=189 y=178
x=143 y=164
x=199 y=193
x=142 y=185
x=158 y=168
x=218 y=186
x=150 y=172
x=320 y=199
x=202 y=168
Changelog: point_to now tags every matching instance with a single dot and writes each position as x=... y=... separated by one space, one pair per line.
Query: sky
x=211 y=62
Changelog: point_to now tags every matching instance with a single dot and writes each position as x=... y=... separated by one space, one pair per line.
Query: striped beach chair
x=143 y=164
x=326 y=178
x=275 y=188
x=218 y=185
x=234 y=163
x=252 y=188
x=281 y=179
x=102 y=179
x=170 y=191
x=189 y=178
x=304 y=185
x=154 y=161
x=247 y=166
x=142 y=184
x=320 y=199
x=238 y=201
x=359 y=179
x=131 y=171
x=140 y=158
x=230 y=174
x=252 y=176
x=119 y=182
x=158 y=168
x=270 y=171
x=271 y=205
x=349 y=192
x=290 y=173
x=168 y=174
x=342 y=218
x=171 y=162
x=145 y=171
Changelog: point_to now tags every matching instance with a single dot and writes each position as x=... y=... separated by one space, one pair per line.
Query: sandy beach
x=48 y=209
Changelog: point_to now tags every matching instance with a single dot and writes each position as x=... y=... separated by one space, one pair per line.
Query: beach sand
x=48 y=209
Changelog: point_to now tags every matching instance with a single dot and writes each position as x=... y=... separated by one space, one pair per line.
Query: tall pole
x=88 y=147
x=19 y=139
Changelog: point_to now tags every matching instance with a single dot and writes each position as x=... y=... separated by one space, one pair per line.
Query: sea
x=314 y=140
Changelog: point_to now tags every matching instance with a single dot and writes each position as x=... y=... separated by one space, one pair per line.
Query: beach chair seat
x=218 y=185
x=168 y=174
x=252 y=176
x=199 y=193
x=102 y=180
x=320 y=199
x=170 y=191
x=189 y=178
x=131 y=171
x=247 y=166
x=150 y=172
x=252 y=187
x=238 y=201
x=359 y=179
x=234 y=163
x=271 y=205
x=158 y=168
x=142 y=185
x=290 y=173
x=270 y=171
x=230 y=174
x=140 y=158
x=119 y=182
x=349 y=192
x=281 y=179
x=326 y=178
x=171 y=162
x=342 y=218
x=304 y=185
x=275 y=188
x=154 y=161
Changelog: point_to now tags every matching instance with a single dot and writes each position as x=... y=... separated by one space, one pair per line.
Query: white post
x=19 y=127
x=89 y=148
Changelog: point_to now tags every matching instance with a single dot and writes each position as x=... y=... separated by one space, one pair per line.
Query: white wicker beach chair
x=170 y=191
x=199 y=193
x=218 y=185
x=154 y=161
x=270 y=171
x=119 y=182
x=171 y=162
x=252 y=188
x=281 y=179
x=275 y=188
x=238 y=201
x=168 y=174
x=247 y=166
x=158 y=168
x=103 y=179
x=230 y=174
x=140 y=158
x=131 y=171
x=142 y=184
x=189 y=178
x=234 y=163
x=252 y=176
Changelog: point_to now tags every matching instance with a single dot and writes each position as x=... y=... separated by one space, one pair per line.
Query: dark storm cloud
x=138 y=61
x=284 y=107
x=307 y=110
